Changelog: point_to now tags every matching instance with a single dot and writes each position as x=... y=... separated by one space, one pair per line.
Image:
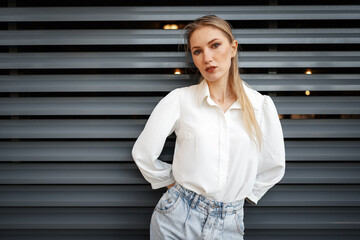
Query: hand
x=170 y=185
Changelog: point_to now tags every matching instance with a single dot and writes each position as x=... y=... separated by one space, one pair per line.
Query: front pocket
x=240 y=223
x=168 y=202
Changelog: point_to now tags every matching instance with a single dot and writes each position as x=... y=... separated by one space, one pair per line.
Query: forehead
x=205 y=34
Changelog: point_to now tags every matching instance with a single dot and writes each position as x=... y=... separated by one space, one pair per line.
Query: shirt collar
x=203 y=91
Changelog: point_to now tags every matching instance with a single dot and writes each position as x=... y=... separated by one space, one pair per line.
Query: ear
x=234 y=48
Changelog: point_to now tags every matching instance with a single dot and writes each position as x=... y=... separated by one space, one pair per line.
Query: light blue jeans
x=184 y=214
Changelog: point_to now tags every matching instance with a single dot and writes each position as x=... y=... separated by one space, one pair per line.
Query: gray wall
x=77 y=84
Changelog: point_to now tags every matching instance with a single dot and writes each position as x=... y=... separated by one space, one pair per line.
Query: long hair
x=236 y=83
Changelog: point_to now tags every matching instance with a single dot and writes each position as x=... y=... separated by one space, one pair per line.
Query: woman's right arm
x=149 y=145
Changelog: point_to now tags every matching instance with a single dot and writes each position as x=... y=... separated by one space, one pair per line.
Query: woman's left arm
x=271 y=165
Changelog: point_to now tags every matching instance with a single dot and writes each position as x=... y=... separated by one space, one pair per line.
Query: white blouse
x=213 y=156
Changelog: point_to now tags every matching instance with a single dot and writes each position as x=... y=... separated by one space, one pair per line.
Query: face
x=212 y=52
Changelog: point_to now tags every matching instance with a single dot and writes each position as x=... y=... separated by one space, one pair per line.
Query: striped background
x=78 y=80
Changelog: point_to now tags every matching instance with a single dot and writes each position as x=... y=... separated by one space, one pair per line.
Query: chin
x=211 y=78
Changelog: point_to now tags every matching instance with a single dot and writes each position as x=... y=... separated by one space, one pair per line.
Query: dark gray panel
x=145 y=105
x=156 y=36
x=96 y=83
x=128 y=173
x=321 y=128
x=295 y=234
x=322 y=150
x=89 y=60
x=168 y=82
x=143 y=234
x=143 y=196
x=115 y=151
x=68 y=151
x=89 y=128
x=160 y=13
x=317 y=105
x=302 y=82
x=138 y=218
x=75 y=234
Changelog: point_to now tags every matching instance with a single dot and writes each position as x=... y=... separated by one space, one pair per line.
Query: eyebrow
x=207 y=43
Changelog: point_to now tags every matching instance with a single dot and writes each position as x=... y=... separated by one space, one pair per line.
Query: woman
x=229 y=145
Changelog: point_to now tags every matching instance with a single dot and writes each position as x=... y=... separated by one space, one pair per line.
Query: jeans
x=184 y=214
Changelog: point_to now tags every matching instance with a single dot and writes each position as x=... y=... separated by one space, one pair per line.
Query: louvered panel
x=143 y=196
x=135 y=218
x=95 y=83
x=119 y=151
x=132 y=234
x=111 y=173
x=136 y=234
x=322 y=151
x=145 y=36
x=52 y=129
x=301 y=82
x=159 y=13
x=145 y=105
x=167 y=82
x=77 y=84
x=173 y=60
x=79 y=151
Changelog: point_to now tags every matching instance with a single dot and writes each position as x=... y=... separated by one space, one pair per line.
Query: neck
x=220 y=89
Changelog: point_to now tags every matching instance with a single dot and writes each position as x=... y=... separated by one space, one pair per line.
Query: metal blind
x=77 y=84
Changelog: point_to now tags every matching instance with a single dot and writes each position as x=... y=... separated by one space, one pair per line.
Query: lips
x=210 y=69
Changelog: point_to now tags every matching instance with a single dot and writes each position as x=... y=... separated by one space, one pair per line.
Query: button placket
x=222 y=151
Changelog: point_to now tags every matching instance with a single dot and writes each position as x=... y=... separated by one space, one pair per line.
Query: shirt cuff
x=252 y=199
x=163 y=184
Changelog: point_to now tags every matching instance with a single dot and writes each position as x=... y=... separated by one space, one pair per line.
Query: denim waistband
x=209 y=205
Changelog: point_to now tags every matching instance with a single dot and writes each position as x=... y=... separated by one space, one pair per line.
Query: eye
x=215 y=45
x=196 y=52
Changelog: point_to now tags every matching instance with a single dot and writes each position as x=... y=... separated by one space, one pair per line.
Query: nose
x=207 y=56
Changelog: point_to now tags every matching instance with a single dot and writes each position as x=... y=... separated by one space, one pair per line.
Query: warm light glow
x=308 y=71
x=171 y=26
x=177 y=71
x=307 y=92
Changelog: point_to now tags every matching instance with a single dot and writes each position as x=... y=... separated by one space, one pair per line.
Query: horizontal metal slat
x=60 y=173
x=115 y=151
x=322 y=150
x=95 y=82
x=80 y=151
x=136 y=218
x=302 y=82
x=55 y=60
x=144 y=196
x=168 y=82
x=135 y=234
x=317 y=105
x=77 y=128
x=111 y=173
x=160 y=13
x=144 y=105
x=166 y=37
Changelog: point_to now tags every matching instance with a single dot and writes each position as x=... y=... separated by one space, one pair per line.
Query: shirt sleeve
x=149 y=145
x=271 y=165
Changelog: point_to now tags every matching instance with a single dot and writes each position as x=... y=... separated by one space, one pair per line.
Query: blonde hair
x=236 y=83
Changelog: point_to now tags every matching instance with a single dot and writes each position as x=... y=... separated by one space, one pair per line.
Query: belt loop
x=223 y=210
x=223 y=213
x=194 y=201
